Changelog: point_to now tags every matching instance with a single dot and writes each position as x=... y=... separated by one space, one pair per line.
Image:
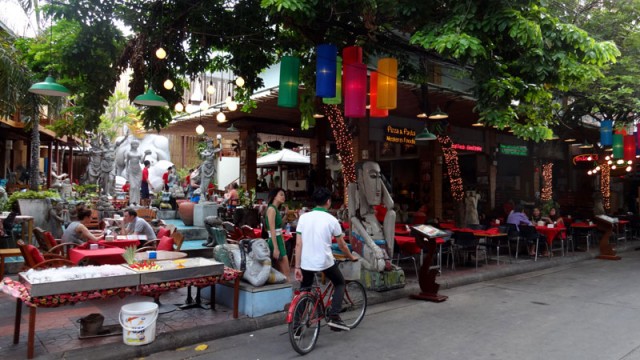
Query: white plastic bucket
x=138 y=322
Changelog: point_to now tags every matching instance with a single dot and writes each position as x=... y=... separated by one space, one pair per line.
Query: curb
x=200 y=334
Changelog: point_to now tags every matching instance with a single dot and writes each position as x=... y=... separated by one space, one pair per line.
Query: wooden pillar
x=322 y=126
x=49 y=158
x=183 y=158
x=70 y=171
x=437 y=176
x=251 y=166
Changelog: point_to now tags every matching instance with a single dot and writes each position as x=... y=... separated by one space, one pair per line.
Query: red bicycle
x=309 y=307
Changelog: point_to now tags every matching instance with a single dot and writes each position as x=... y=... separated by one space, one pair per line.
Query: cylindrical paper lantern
x=387 y=83
x=351 y=55
x=618 y=150
x=374 y=111
x=638 y=137
x=355 y=90
x=606 y=132
x=289 y=80
x=326 y=70
x=629 y=147
x=338 y=98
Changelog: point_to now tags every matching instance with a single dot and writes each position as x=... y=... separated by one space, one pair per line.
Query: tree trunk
x=34 y=163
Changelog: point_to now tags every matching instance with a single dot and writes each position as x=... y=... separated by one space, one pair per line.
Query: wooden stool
x=7 y=253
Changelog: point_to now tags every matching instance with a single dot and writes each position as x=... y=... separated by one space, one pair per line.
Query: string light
x=453 y=169
x=547 y=178
x=343 y=143
x=604 y=186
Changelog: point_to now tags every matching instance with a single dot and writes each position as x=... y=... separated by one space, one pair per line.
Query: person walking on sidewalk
x=313 y=252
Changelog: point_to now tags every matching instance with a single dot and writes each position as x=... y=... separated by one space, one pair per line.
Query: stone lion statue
x=252 y=256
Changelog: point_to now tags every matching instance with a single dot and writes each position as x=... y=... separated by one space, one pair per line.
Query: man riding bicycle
x=313 y=252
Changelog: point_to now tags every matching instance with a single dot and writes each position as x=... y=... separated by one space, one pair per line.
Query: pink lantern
x=374 y=111
x=355 y=90
x=629 y=147
x=351 y=55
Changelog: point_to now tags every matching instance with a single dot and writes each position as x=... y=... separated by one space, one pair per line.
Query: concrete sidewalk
x=57 y=329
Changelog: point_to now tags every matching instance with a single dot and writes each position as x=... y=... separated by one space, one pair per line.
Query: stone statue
x=173 y=177
x=257 y=261
x=367 y=192
x=107 y=166
x=66 y=189
x=134 y=172
x=3 y=197
x=157 y=146
x=92 y=174
x=471 y=208
x=208 y=168
x=57 y=179
x=56 y=218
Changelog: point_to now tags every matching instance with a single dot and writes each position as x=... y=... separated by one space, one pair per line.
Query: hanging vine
x=453 y=169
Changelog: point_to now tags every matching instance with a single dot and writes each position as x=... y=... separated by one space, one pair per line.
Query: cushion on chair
x=163 y=232
x=165 y=243
x=36 y=255
x=51 y=241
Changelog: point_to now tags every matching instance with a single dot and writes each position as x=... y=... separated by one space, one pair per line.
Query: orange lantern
x=387 y=83
x=374 y=111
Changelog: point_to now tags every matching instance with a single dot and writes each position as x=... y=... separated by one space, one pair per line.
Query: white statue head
x=260 y=250
x=135 y=144
x=370 y=181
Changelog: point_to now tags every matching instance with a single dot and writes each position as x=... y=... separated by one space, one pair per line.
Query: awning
x=283 y=157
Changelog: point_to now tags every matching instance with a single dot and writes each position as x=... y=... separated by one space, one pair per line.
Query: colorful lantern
x=606 y=132
x=326 y=70
x=387 y=83
x=618 y=151
x=338 y=98
x=374 y=111
x=355 y=90
x=638 y=137
x=289 y=80
x=629 y=147
x=351 y=55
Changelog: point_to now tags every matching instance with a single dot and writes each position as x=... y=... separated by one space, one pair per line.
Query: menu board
x=429 y=231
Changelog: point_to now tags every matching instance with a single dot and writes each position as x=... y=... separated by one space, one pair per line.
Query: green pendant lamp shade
x=49 y=87
x=425 y=135
x=289 y=80
x=150 y=98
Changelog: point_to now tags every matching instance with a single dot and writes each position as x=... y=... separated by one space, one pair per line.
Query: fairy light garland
x=605 y=188
x=343 y=143
x=547 y=178
x=453 y=169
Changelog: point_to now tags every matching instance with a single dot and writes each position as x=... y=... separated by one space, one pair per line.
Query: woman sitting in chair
x=77 y=232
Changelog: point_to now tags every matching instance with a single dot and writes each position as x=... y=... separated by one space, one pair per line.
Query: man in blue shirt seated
x=518 y=217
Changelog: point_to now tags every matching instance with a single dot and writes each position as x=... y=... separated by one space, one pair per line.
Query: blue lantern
x=606 y=132
x=326 y=70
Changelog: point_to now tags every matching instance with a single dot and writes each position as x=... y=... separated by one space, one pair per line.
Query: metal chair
x=530 y=234
x=407 y=250
x=513 y=235
x=467 y=243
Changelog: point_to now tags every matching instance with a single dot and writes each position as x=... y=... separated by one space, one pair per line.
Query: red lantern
x=355 y=90
x=629 y=147
x=374 y=111
x=351 y=55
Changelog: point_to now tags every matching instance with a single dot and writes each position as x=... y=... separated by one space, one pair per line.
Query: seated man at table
x=77 y=231
x=518 y=217
x=133 y=225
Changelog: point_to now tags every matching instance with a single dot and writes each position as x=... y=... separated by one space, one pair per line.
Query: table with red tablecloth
x=550 y=233
x=106 y=256
x=123 y=244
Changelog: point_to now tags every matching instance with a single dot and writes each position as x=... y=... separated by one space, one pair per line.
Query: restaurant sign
x=467 y=147
x=517 y=150
x=584 y=158
x=399 y=135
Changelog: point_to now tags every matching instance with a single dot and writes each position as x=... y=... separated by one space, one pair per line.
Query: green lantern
x=289 y=81
x=338 y=99
x=618 y=148
x=49 y=87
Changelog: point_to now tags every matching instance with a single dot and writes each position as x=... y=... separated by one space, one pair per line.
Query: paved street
x=586 y=310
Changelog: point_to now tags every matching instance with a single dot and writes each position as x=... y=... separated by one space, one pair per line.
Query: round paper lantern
x=289 y=80
x=355 y=90
x=629 y=147
x=351 y=55
x=387 y=83
x=326 y=67
x=618 y=151
x=338 y=98
x=606 y=132
x=374 y=111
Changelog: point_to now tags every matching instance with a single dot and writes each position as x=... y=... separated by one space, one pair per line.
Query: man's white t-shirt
x=317 y=227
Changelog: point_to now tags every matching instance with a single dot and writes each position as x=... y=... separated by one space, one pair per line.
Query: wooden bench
x=7 y=253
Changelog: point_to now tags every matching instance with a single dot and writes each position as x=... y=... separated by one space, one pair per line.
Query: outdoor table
x=621 y=230
x=161 y=255
x=17 y=290
x=550 y=233
x=27 y=232
x=402 y=229
x=106 y=256
x=489 y=236
x=121 y=243
x=586 y=227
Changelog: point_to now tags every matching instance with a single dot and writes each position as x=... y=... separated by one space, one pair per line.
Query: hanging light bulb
x=629 y=162
x=160 y=53
x=233 y=106
x=211 y=89
x=628 y=169
x=179 y=107
x=620 y=161
x=613 y=167
x=168 y=84
x=589 y=172
x=228 y=100
x=607 y=157
x=589 y=158
x=598 y=168
x=609 y=162
x=240 y=81
x=221 y=117
x=204 y=105
x=199 y=129
x=196 y=96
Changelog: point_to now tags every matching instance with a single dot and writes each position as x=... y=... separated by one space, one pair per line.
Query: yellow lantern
x=387 y=83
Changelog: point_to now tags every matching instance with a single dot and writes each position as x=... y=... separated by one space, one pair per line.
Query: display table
x=161 y=255
x=21 y=293
x=106 y=256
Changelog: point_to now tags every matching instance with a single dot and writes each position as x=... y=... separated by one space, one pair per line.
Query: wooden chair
x=147 y=214
x=178 y=238
x=49 y=245
x=247 y=232
x=30 y=254
x=233 y=232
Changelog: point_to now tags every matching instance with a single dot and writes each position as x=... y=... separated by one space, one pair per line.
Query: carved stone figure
x=157 y=145
x=208 y=168
x=3 y=196
x=57 y=179
x=107 y=166
x=367 y=192
x=471 y=207
x=66 y=189
x=92 y=174
x=258 y=270
x=134 y=172
x=56 y=218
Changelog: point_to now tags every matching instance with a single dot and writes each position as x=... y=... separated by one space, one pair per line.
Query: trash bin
x=138 y=322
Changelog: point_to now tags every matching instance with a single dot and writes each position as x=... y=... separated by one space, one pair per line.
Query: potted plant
x=245 y=213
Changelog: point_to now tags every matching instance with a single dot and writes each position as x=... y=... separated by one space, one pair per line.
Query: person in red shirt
x=126 y=187
x=165 y=179
x=145 y=186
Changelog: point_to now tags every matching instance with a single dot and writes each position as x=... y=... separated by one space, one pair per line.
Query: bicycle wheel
x=354 y=304
x=305 y=325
